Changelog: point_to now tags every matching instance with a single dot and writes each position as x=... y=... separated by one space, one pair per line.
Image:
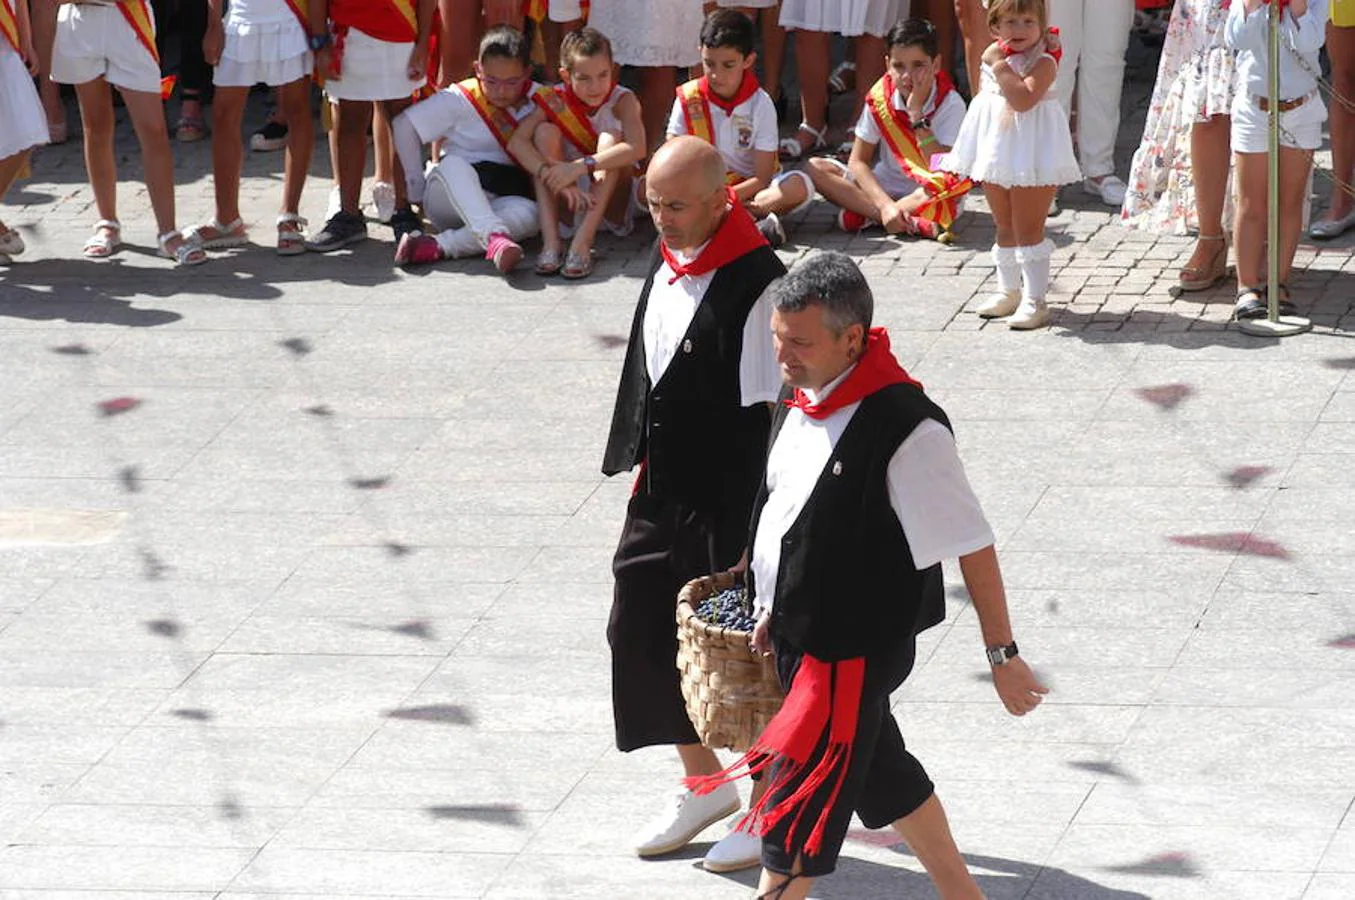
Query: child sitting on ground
x=1302 y=25
x=588 y=133
x=98 y=45
x=477 y=198
x=726 y=107
x=22 y=123
x=915 y=109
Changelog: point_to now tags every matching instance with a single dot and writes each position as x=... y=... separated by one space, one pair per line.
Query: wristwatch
x=590 y=164
x=999 y=655
x=320 y=42
x=923 y=122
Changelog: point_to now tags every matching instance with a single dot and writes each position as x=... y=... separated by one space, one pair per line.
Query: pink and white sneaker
x=503 y=252
x=418 y=249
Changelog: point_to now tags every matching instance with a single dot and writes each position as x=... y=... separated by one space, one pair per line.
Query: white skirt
x=1011 y=149
x=845 y=17
x=273 y=53
x=372 y=70
x=652 y=33
x=22 y=123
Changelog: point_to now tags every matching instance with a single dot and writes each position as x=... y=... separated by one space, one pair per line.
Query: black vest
x=704 y=449
x=846 y=585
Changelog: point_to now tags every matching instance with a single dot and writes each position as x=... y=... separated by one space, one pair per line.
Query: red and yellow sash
x=9 y=25
x=498 y=120
x=696 y=115
x=944 y=189
x=138 y=15
x=571 y=115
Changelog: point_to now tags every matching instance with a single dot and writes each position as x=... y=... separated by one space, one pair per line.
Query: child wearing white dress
x=1015 y=141
x=1302 y=33
x=22 y=123
x=268 y=42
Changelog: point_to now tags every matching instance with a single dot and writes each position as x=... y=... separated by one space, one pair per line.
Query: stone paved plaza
x=304 y=570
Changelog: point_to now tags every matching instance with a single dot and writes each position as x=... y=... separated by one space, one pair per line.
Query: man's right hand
x=892 y=219
x=761 y=641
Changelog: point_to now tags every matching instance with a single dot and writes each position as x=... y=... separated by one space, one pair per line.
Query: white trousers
x=464 y=215
x=1095 y=35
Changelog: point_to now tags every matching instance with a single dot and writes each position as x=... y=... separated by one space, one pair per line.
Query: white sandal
x=186 y=254
x=106 y=238
x=228 y=236
x=791 y=148
x=11 y=243
x=291 y=240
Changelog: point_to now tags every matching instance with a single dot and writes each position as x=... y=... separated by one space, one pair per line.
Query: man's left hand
x=1017 y=686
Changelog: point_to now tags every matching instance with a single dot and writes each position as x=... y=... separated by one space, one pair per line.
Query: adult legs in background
x=195 y=76
x=1100 y=79
x=43 y=18
x=1341 y=49
x=972 y=18
x=941 y=13
x=1210 y=161
x=811 y=62
x=658 y=85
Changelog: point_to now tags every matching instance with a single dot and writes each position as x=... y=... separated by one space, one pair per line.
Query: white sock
x=1008 y=269
x=1034 y=265
x=459 y=242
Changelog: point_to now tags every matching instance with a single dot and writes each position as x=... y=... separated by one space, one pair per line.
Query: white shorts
x=97 y=42
x=564 y=10
x=274 y=54
x=1300 y=127
x=372 y=70
x=801 y=176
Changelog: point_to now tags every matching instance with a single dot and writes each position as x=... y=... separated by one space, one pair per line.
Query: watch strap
x=999 y=654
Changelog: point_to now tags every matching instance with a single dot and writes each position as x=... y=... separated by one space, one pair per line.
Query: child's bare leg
x=779 y=197
x=832 y=182
x=1294 y=167
x=927 y=834
x=383 y=145
x=349 y=146
x=10 y=167
x=550 y=143
x=389 y=110
x=603 y=191
x=43 y=21
x=228 y=155
x=96 y=121
x=1029 y=210
x=1000 y=204
x=148 y=120
x=295 y=102
x=1249 y=229
x=774 y=885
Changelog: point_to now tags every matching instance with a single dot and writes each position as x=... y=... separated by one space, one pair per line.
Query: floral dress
x=1195 y=81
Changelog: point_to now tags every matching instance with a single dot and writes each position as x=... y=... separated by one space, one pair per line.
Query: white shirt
x=738 y=136
x=669 y=314
x=946 y=122
x=928 y=490
x=448 y=115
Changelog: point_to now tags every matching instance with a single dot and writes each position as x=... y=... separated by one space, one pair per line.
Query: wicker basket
x=731 y=692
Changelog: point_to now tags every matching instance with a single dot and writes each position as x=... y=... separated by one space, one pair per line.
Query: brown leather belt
x=1285 y=105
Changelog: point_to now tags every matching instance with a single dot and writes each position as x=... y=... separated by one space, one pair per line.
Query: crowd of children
x=483 y=164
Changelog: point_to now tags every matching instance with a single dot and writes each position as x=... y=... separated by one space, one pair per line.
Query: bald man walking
x=692 y=412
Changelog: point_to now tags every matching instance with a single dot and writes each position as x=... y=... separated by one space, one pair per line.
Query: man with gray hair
x=862 y=498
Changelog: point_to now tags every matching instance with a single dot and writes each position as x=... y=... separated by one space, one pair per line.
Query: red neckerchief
x=1056 y=53
x=876 y=369
x=747 y=89
x=575 y=102
x=824 y=703
x=737 y=236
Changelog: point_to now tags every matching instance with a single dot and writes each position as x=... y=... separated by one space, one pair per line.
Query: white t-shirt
x=738 y=136
x=669 y=314
x=449 y=115
x=946 y=122
x=928 y=490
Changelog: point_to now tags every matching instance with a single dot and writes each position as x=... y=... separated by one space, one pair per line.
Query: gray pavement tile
x=44 y=894
x=377 y=566
x=1102 y=723
x=1089 y=571
x=77 y=707
x=1127 y=684
x=1076 y=647
x=303 y=672
x=1162 y=607
x=1321 y=614
x=1087 y=883
x=408 y=745
x=142 y=869
x=1325 y=886
x=370 y=636
x=1340 y=853
x=62 y=668
x=140 y=825
x=333 y=873
x=59 y=742
x=399 y=602
x=233 y=494
x=1220 y=648
x=483 y=791
x=1207 y=847
x=554 y=637
x=442 y=464
x=1260 y=806
x=1295 y=686
x=17 y=594
x=438 y=828
x=556 y=564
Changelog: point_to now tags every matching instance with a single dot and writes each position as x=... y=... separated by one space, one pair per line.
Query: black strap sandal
x=1287 y=307
x=1251 y=304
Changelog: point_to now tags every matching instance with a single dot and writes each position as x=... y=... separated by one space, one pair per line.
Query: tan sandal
x=1197 y=278
x=291 y=234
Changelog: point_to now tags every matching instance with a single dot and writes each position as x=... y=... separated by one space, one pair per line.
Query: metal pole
x=1273 y=170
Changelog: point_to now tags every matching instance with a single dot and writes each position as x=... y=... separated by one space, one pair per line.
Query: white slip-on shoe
x=687 y=816
x=736 y=850
x=999 y=304
x=1031 y=314
x=1109 y=188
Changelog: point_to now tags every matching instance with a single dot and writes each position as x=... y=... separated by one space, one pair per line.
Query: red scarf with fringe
x=736 y=237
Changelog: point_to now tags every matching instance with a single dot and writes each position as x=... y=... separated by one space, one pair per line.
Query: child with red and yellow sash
x=374 y=51
x=99 y=45
x=583 y=142
x=260 y=42
x=911 y=114
x=477 y=198
x=23 y=125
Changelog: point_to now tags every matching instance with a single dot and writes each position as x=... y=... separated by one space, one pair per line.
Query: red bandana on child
x=1056 y=52
x=748 y=88
x=876 y=369
x=736 y=237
